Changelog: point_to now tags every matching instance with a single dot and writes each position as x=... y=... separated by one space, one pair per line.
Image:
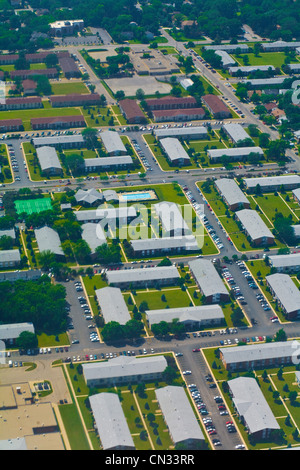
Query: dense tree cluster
x=39 y=302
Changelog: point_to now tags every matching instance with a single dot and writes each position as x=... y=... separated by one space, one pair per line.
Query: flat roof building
x=110 y=422
x=278 y=46
x=231 y=193
x=254 y=227
x=122 y=370
x=112 y=305
x=286 y=293
x=175 y=152
x=228 y=47
x=179 y=416
x=209 y=281
x=252 y=407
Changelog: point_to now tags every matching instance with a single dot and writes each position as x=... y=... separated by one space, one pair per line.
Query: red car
x=196 y=350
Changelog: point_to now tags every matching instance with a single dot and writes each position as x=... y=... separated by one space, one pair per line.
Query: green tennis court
x=31 y=206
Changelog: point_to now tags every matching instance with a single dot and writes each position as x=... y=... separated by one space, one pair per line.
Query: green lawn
x=28 y=114
x=68 y=88
x=264 y=58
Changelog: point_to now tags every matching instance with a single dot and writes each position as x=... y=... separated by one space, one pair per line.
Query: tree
x=75 y=163
x=107 y=254
x=112 y=331
x=27 y=340
x=46 y=259
x=90 y=136
x=82 y=251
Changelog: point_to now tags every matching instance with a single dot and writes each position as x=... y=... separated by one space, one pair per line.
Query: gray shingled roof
x=258 y=352
x=89 y=196
x=112 y=142
x=252 y=405
x=285 y=291
x=110 y=421
x=174 y=149
x=276 y=181
x=171 y=217
x=185 y=314
x=187 y=242
x=207 y=277
x=178 y=414
x=48 y=158
x=290 y=260
x=253 y=224
x=13 y=330
x=94 y=235
x=236 y=132
x=231 y=191
x=7 y=256
x=234 y=152
x=48 y=240
x=124 y=366
x=112 y=304
x=142 y=274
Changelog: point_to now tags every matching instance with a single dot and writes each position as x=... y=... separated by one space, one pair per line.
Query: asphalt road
x=191 y=361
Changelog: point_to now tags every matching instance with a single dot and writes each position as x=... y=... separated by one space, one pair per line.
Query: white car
x=187 y=372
